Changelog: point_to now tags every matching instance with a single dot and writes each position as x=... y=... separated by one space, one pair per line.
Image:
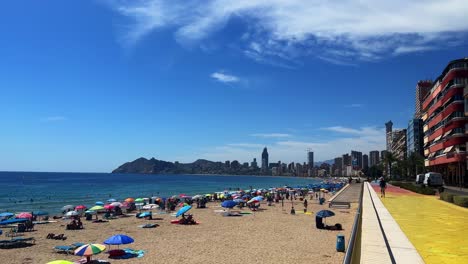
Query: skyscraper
x=415 y=137
x=310 y=159
x=365 y=161
x=399 y=144
x=374 y=158
x=356 y=159
x=389 y=136
x=265 y=160
x=422 y=89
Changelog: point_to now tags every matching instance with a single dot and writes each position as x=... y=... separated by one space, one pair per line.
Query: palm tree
x=389 y=158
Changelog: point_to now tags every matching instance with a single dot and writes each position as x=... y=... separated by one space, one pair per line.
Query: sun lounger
x=68 y=249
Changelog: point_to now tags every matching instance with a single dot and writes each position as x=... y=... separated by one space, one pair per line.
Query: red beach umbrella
x=24 y=215
x=109 y=206
x=80 y=207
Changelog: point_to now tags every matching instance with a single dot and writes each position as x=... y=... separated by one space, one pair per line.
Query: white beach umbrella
x=72 y=213
x=119 y=204
x=66 y=207
x=150 y=206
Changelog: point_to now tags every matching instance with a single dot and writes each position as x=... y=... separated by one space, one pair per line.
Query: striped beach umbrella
x=90 y=249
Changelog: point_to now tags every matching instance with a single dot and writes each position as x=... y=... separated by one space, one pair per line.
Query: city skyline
x=87 y=86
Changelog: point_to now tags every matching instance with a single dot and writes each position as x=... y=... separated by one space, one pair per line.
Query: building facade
x=422 y=90
x=310 y=159
x=265 y=160
x=415 y=137
x=356 y=160
x=374 y=158
x=388 y=133
x=338 y=166
x=365 y=161
x=399 y=144
x=444 y=122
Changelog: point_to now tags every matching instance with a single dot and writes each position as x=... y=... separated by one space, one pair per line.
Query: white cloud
x=54 y=119
x=225 y=78
x=363 y=139
x=271 y=135
x=282 y=31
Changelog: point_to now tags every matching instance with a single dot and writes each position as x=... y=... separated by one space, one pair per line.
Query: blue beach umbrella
x=228 y=204
x=183 y=210
x=13 y=221
x=111 y=200
x=145 y=214
x=246 y=196
x=119 y=240
x=325 y=213
x=6 y=214
x=99 y=203
x=258 y=198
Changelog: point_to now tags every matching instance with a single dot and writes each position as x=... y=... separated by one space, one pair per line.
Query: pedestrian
x=305 y=205
x=383 y=186
x=282 y=202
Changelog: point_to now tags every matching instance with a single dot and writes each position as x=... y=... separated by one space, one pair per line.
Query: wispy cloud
x=224 y=77
x=281 y=32
x=54 y=119
x=271 y=135
x=362 y=139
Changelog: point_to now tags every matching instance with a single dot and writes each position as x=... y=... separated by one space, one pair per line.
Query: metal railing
x=352 y=240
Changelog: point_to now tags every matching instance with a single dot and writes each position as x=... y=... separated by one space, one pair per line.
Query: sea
x=50 y=191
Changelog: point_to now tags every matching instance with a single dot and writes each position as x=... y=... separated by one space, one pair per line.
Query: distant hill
x=201 y=166
x=318 y=163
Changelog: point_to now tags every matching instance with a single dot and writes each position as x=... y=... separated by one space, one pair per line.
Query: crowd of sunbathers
x=75 y=224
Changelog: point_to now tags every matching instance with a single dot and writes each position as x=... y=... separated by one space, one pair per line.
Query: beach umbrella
x=96 y=208
x=198 y=196
x=24 y=215
x=99 y=203
x=90 y=212
x=13 y=221
x=125 y=205
x=119 y=240
x=145 y=214
x=89 y=249
x=129 y=200
x=60 y=262
x=253 y=201
x=258 y=198
x=183 y=210
x=246 y=196
x=108 y=207
x=325 y=213
x=228 y=204
x=111 y=200
x=80 y=207
x=150 y=206
x=208 y=195
x=72 y=213
x=139 y=200
x=116 y=204
x=6 y=214
x=66 y=207
x=40 y=213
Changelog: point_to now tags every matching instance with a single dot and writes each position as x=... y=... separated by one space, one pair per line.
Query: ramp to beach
x=350 y=194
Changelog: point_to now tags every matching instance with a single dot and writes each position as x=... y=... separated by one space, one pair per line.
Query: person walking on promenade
x=383 y=185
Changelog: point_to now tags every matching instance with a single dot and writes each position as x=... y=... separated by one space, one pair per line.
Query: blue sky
x=88 y=85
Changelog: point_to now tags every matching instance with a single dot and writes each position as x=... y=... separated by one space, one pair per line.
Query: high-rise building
x=265 y=160
x=365 y=161
x=389 y=137
x=338 y=166
x=253 y=164
x=383 y=153
x=310 y=159
x=415 y=137
x=356 y=160
x=399 y=144
x=346 y=160
x=422 y=89
x=374 y=158
x=445 y=120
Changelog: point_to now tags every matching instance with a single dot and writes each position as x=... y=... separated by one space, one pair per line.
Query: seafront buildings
x=444 y=123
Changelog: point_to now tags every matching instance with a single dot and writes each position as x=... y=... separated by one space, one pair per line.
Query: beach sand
x=271 y=235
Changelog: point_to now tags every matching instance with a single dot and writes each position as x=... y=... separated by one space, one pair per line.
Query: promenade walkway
x=437 y=229
x=350 y=194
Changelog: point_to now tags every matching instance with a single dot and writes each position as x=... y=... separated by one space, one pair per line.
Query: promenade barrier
x=352 y=251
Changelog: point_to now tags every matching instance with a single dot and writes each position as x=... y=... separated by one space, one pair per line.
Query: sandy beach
x=271 y=235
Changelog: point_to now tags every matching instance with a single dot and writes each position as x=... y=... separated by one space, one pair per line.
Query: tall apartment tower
x=310 y=159
x=365 y=161
x=415 y=137
x=374 y=158
x=356 y=159
x=265 y=160
x=444 y=124
x=389 y=136
x=422 y=90
x=338 y=166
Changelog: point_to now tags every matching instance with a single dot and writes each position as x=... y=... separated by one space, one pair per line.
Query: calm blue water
x=51 y=191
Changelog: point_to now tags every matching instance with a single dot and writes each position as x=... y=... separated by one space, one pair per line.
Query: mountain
x=201 y=166
x=330 y=162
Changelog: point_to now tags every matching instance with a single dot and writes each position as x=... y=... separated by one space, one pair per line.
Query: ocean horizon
x=50 y=191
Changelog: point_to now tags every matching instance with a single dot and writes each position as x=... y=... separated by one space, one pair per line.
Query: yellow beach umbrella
x=96 y=208
x=60 y=262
